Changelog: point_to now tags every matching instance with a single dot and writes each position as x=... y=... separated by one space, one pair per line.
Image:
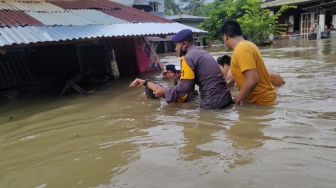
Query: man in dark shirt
x=172 y=73
x=197 y=67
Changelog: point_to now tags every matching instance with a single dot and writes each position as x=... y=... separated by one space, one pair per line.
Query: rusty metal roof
x=113 y=9
x=87 y=4
x=34 y=34
x=75 y=17
x=135 y=16
x=16 y=18
x=72 y=13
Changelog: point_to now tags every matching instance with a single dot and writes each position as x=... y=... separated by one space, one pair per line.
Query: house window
x=154 y=5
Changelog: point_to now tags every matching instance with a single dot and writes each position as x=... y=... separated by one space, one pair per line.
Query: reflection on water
x=247 y=132
x=118 y=138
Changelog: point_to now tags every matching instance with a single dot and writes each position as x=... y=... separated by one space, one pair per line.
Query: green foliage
x=220 y=10
x=257 y=23
x=171 y=7
x=192 y=7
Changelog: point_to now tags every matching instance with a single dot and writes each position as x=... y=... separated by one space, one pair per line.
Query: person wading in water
x=197 y=67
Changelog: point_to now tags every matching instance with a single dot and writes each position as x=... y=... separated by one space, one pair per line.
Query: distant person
x=197 y=67
x=247 y=67
x=312 y=33
x=312 y=29
x=326 y=31
x=224 y=64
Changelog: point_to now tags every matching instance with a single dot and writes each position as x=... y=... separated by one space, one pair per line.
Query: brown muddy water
x=117 y=138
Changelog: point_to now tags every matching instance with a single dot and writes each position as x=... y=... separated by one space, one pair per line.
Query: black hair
x=225 y=59
x=231 y=28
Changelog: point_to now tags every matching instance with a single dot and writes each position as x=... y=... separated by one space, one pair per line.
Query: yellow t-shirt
x=247 y=56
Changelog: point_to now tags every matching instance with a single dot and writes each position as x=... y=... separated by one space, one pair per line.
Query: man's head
x=182 y=40
x=230 y=30
x=170 y=71
x=224 y=63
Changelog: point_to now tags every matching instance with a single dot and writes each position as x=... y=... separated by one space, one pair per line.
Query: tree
x=192 y=6
x=256 y=22
x=171 y=7
x=220 y=11
x=204 y=9
x=259 y=23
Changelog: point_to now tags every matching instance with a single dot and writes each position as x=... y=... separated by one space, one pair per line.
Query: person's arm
x=170 y=94
x=251 y=81
x=183 y=87
x=186 y=83
x=230 y=81
x=276 y=78
x=158 y=90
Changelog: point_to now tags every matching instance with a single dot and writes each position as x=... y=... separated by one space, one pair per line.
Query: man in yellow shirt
x=247 y=67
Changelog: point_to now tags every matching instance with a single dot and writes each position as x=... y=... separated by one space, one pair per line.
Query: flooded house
x=65 y=45
x=310 y=16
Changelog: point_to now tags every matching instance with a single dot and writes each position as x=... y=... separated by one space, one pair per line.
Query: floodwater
x=117 y=138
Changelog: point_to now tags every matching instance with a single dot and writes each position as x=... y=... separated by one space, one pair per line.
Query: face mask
x=183 y=52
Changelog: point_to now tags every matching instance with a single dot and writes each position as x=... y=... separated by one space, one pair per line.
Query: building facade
x=317 y=16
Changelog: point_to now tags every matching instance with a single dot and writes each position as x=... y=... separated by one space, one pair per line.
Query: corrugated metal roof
x=276 y=3
x=135 y=16
x=34 y=34
x=88 y=4
x=113 y=9
x=125 y=2
x=97 y=16
x=6 y=6
x=35 y=6
x=59 y=18
x=16 y=18
x=33 y=13
x=184 y=16
x=74 y=17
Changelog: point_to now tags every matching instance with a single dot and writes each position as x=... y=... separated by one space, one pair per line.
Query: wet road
x=117 y=138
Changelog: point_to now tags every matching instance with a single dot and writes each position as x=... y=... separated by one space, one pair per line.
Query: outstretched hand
x=158 y=90
x=137 y=83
